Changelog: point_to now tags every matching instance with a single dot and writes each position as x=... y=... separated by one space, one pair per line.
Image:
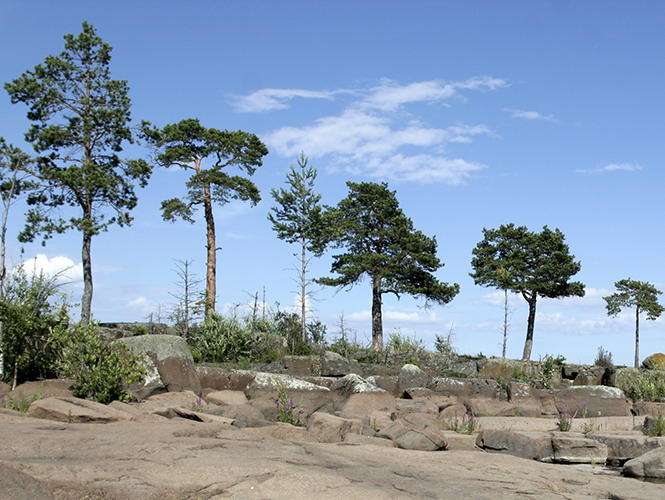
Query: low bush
x=643 y=386
x=604 y=358
x=654 y=426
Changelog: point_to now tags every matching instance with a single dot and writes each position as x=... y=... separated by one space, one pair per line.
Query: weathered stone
x=360 y=405
x=648 y=408
x=521 y=391
x=75 y=410
x=406 y=406
x=357 y=439
x=654 y=362
x=221 y=379
x=411 y=376
x=243 y=415
x=17 y=485
x=505 y=368
x=455 y=411
x=649 y=465
x=336 y=365
x=578 y=450
x=584 y=375
x=622 y=447
x=387 y=383
x=592 y=401
x=464 y=388
x=331 y=429
x=199 y=416
x=168 y=360
x=355 y=384
x=467 y=366
x=409 y=438
x=482 y=407
x=226 y=397
x=42 y=389
x=532 y=445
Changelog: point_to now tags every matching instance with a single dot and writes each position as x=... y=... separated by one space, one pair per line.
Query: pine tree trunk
x=528 y=343
x=377 y=321
x=505 y=323
x=637 y=337
x=211 y=267
x=86 y=262
x=303 y=292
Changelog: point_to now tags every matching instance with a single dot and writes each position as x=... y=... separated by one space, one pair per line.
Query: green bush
x=654 y=426
x=405 y=349
x=29 y=323
x=644 y=386
x=220 y=339
x=101 y=371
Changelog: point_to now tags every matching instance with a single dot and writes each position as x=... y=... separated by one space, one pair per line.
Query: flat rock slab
x=578 y=450
x=530 y=445
x=179 y=459
x=75 y=410
x=622 y=447
x=649 y=465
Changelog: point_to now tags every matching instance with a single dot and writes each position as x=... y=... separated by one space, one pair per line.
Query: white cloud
x=65 y=269
x=367 y=137
x=402 y=317
x=613 y=167
x=529 y=115
x=272 y=99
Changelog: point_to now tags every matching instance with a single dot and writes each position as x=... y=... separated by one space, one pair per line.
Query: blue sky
x=478 y=113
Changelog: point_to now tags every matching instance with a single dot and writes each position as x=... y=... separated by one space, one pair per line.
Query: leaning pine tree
x=381 y=243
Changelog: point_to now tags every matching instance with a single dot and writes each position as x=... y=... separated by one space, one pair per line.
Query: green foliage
x=30 y=324
x=21 y=405
x=288 y=411
x=80 y=120
x=444 y=344
x=565 y=421
x=654 y=426
x=101 y=372
x=381 y=243
x=191 y=146
x=220 y=339
x=644 y=386
x=405 y=349
x=603 y=358
x=532 y=264
x=642 y=296
x=548 y=367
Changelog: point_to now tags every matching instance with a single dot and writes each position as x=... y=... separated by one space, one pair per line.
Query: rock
x=295 y=365
x=584 y=375
x=649 y=465
x=464 y=388
x=170 y=363
x=199 y=416
x=467 y=366
x=336 y=365
x=622 y=447
x=411 y=376
x=357 y=439
x=17 y=485
x=654 y=362
x=221 y=379
x=505 y=368
x=578 y=450
x=648 y=408
x=360 y=405
x=481 y=407
x=406 y=406
x=408 y=437
x=455 y=411
x=592 y=401
x=532 y=445
x=331 y=429
x=243 y=415
x=388 y=383
x=226 y=397
x=75 y=410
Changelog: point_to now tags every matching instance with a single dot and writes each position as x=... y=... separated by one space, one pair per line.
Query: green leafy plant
x=548 y=367
x=101 y=371
x=198 y=405
x=654 y=426
x=565 y=421
x=405 y=349
x=221 y=339
x=288 y=411
x=644 y=386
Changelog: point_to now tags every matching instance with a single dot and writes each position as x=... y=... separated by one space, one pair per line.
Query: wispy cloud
x=60 y=267
x=273 y=99
x=370 y=138
x=529 y=115
x=613 y=167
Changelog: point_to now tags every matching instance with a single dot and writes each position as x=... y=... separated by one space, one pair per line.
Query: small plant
x=589 y=427
x=604 y=358
x=548 y=368
x=22 y=405
x=565 y=421
x=645 y=386
x=444 y=343
x=654 y=426
x=198 y=405
x=288 y=411
x=467 y=425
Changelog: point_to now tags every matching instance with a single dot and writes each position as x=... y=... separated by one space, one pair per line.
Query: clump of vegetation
x=33 y=315
x=644 y=386
x=565 y=421
x=467 y=425
x=443 y=344
x=548 y=367
x=220 y=339
x=405 y=349
x=22 y=405
x=101 y=372
x=654 y=426
x=288 y=411
x=604 y=358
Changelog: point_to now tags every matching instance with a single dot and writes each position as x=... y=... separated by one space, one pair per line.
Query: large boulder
x=532 y=445
x=622 y=447
x=336 y=365
x=578 y=450
x=221 y=379
x=408 y=437
x=592 y=401
x=357 y=398
x=411 y=376
x=75 y=410
x=654 y=362
x=583 y=374
x=332 y=429
x=505 y=368
x=466 y=388
x=169 y=362
x=18 y=485
x=649 y=465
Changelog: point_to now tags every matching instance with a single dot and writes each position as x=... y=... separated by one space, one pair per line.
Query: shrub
x=101 y=371
x=288 y=411
x=645 y=386
x=444 y=345
x=30 y=323
x=221 y=339
x=565 y=421
x=405 y=349
x=654 y=426
x=604 y=358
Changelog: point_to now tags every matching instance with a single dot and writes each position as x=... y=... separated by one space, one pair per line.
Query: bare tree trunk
x=377 y=320
x=505 y=323
x=86 y=261
x=528 y=343
x=637 y=337
x=303 y=292
x=211 y=267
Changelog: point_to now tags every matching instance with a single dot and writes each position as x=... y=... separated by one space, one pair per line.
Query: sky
x=477 y=113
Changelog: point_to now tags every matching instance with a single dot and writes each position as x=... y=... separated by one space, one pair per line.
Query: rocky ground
x=163 y=459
